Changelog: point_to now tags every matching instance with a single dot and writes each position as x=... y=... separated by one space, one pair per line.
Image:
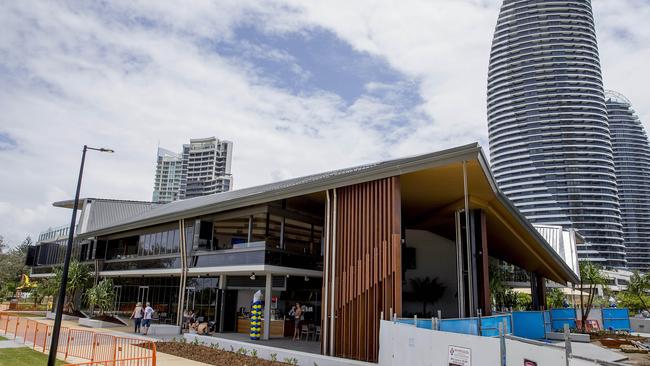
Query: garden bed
x=213 y=355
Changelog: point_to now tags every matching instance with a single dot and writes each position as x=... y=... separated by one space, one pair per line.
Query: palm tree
x=590 y=275
x=78 y=280
x=101 y=295
x=638 y=287
x=427 y=291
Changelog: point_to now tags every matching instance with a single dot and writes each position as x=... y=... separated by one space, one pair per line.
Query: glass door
x=118 y=298
x=143 y=295
x=190 y=298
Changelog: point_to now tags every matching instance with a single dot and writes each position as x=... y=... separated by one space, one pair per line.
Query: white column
x=267 y=307
x=222 y=301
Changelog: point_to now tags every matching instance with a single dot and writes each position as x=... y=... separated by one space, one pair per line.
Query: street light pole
x=51 y=361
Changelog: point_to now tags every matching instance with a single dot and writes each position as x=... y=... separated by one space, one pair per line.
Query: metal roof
x=287 y=188
x=103 y=213
x=261 y=194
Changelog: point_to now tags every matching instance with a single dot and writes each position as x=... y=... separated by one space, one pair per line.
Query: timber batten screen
x=365 y=248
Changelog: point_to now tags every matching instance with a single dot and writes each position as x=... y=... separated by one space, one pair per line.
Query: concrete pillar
x=537 y=291
x=267 y=307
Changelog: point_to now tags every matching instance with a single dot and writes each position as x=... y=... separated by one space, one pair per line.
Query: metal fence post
x=415 y=320
x=502 y=345
x=479 y=325
x=567 y=344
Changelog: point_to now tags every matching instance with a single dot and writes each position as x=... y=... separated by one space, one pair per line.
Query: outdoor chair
x=305 y=331
x=317 y=333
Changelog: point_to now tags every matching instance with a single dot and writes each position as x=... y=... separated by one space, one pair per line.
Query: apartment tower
x=202 y=168
x=550 y=144
x=632 y=161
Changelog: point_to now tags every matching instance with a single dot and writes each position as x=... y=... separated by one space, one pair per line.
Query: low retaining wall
x=640 y=325
x=281 y=354
x=164 y=330
x=93 y=323
x=51 y=315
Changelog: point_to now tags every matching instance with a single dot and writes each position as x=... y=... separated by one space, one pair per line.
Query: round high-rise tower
x=632 y=161
x=549 y=138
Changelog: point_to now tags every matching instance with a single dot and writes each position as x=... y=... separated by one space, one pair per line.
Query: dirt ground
x=214 y=356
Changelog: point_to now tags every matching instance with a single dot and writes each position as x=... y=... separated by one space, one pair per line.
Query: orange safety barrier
x=95 y=348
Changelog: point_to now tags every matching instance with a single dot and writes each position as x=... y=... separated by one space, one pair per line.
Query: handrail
x=106 y=349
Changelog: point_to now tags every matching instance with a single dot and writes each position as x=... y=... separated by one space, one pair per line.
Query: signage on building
x=459 y=356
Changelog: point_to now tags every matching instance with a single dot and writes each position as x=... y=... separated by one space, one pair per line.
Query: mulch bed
x=212 y=356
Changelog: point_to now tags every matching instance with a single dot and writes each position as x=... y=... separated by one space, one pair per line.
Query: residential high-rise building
x=632 y=161
x=206 y=167
x=550 y=143
x=167 y=183
x=202 y=168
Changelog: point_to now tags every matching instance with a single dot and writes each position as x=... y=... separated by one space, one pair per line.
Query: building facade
x=550 y=143
x=169 y=174
x=202 y=168
x=345 y=244
x=206 y=167
x=632 y=161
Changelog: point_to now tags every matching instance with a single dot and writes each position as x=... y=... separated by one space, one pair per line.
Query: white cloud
x=135 y=73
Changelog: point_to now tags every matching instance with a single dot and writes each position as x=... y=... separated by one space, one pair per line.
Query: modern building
x=346 y=244
x=49 y=249
x=206 y=167
x=202 y=168
x=169 y=174
x=550 y=144
x=632 y=162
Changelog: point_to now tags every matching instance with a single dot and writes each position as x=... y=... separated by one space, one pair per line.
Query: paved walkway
x=162 y=359
x=11 y=344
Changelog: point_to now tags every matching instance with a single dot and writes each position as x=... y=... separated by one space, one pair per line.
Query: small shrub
x=291 y=361
x=274 y=357
x=242 y=351
x=232 y=349
x=195 y=342
x=254 y=353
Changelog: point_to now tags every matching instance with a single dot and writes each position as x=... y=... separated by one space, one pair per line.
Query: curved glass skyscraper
x=632 y=161
x=549 y=138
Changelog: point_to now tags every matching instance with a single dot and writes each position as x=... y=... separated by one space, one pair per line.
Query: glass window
x=141 y=245
x=147 y=244
x=258 y=232
x=165 y=243
x=158 y=243
x=175 y=241
x=230 y=231
x=298 y=236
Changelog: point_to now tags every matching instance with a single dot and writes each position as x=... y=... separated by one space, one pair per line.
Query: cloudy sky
x=299 y=86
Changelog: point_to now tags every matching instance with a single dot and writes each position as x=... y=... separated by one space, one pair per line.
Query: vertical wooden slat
x=368 y=265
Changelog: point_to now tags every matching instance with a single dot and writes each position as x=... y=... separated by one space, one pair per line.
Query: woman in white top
x=137 y=314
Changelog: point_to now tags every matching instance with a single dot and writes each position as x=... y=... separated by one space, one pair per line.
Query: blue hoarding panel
x=490 y=325
x=559 y=317
x=464 y=326
x=616 y=319
x=529 y=324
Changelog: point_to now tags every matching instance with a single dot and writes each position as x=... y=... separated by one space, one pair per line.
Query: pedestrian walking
x=137 y=315
x=148 y=314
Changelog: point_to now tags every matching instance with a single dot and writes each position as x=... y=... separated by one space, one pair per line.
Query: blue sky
x=300 y=87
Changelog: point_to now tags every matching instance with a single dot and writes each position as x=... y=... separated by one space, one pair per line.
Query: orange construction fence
x=92 y=348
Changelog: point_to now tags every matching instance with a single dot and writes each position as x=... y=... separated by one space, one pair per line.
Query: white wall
x=401 y=344
x=245 y=298
x=435 y=256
